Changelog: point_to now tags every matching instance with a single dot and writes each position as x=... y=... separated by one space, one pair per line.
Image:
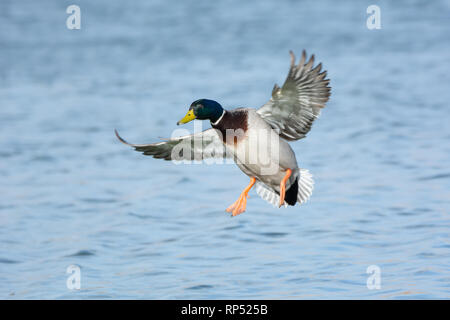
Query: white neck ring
x=218 y=120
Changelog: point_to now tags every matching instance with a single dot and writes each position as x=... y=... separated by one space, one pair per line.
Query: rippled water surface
x=145 y=228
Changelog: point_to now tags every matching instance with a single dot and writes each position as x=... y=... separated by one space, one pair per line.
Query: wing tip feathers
x=121 y=139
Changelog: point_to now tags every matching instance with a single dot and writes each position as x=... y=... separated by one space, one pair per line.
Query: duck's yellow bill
x=188 y=117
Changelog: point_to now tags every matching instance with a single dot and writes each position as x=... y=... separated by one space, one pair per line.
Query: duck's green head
x=203 y=109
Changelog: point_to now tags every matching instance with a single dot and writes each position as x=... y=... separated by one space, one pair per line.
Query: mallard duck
x=257 y=139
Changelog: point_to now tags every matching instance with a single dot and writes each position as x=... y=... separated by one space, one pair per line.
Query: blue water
x=142 y=228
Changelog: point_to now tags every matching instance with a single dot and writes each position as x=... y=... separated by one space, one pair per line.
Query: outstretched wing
x=293 y=107
x=198 y=146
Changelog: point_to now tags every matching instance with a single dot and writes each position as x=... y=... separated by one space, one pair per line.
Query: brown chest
x=233 y=126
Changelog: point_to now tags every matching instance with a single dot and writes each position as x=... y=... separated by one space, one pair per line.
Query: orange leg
x=283 y=186
x=239 y=205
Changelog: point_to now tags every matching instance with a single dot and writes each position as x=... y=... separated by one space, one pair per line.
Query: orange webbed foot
x=241 y=203
x=283 y=186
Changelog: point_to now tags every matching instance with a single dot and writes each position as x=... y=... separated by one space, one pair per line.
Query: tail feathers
x=305 y=186
x=302 y=190
x=268 y=194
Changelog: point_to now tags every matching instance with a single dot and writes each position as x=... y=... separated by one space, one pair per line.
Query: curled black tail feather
x=291 y=194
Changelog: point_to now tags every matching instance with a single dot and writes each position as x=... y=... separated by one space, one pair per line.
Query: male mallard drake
x=257 y=140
